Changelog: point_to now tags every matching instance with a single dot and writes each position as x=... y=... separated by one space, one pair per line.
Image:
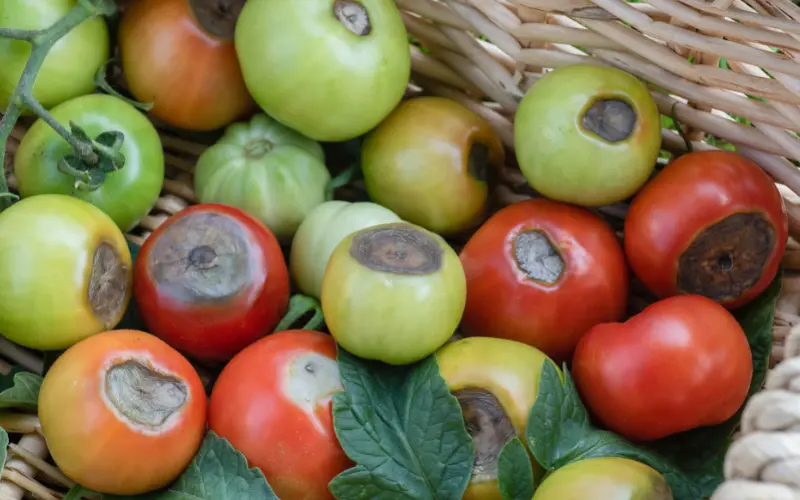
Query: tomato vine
x=89 y=156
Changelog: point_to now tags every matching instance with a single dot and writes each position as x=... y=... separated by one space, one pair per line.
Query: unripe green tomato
x=266 y=169
x=66 y=271
x=69 y=68
x=588 y=135
x=607 y=478
x=321 y=231
x=393 y=293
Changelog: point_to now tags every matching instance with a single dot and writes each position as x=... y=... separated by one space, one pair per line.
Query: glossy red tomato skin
x=503 y=302
x=297 y=450
x=689 y=195
x=216 y=331
x=682 y=363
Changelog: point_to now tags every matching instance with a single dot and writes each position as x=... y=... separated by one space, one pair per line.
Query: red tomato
x=182 y=58
x=122 y=412
x=712 y=223
x=210 y=281
x=543 y=272
x=681 y=363
x=273 y=403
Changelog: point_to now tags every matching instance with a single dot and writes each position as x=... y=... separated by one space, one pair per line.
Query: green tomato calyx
x=397 y=248
x=108 y=285
x=217 y=17
x=257 y=148
x=728 y=258
x=614 y=120
x=537 y=257
x=143 y=397
x=353 y=16
x=489 y=426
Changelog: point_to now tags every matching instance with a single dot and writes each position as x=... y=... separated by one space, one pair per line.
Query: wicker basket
x=725 y=69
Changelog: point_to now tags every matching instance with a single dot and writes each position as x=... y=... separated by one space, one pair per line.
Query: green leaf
x=217 y=472
x=403 y=429
x=24 y=394
x=515 y=472
x=3 y=448
x=77 y=492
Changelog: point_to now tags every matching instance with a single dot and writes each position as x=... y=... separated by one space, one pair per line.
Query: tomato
x=180 y=56
x=66 y=271
x=321 y=231
x=393 y=292
x=273 y=403
x=543 y=272
x=122 y=412
x=725 y=243
x=428 y=162
x=128 y=194
x=210 y=281
x=683 y=362
x=496 y=382
x=605 y=478
x=267 y=170
x=330 y=69
x=587 y=134
x=69 y=68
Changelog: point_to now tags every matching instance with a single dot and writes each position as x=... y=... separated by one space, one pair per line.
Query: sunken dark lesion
x=354 y=16
x=612 y=119
x=537 y=257
x=109 y=284
x=727 y=258
x=217 y=17
x=397 y=248
x=145 y=396
x=203 y=257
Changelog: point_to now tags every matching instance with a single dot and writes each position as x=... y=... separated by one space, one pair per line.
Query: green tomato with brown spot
x=606 y=478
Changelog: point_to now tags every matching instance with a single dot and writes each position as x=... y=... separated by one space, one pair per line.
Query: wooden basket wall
x=726 y=69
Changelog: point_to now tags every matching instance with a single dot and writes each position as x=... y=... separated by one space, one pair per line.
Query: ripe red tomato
x=180 y=55
x=712 y=223
x=122 y=412
x=683 y=362
x=273 y=403
x=210 y=281
x=543 y=272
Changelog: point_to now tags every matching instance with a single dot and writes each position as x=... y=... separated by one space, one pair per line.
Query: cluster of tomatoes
x=543 y=279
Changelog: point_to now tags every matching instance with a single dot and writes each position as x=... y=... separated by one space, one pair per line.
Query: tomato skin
x=661 y=224
x=502 y=301
x=252 y=406
x=683 y=362
x=126 y=195
x=46 y=260
x=205 y=326
x=191 y=76
x=69 y=68
x=90 y=440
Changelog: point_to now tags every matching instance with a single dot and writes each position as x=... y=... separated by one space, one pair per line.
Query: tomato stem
x=101 y=82
x=299 y=306
x=41 y=42
x=341 y=180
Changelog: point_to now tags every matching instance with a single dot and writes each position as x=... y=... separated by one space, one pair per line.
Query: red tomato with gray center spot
x=210 y=281
x=273 y=403
x=543 y=273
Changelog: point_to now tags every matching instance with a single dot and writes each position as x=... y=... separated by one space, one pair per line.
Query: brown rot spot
x=201 y=258
x=537 y=257
x=108 y=284
x=397 y=248
x=489 y=427
x=353 y=15
x=217 y=17
x=728 y=258
x=478 y=162
x=611 y=119
x=145 y=397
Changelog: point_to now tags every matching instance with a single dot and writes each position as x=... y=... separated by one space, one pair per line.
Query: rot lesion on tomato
x=611 y=118
x=109 y=284
x=353 y=16
x=311 y=379
x=537 y=257
x=397 y=248
x=217 y=17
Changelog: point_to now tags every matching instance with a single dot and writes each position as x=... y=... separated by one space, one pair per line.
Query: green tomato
x=66 y=271
x=266 y=169
x=393 y=293
x=321 y=231
x=126 y=195
x=68 y=69
x=330 y=69
x=588 y=135
x=608 y=478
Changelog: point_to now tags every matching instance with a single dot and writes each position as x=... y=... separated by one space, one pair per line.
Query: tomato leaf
x=24 y=393
x=3 y=448
x=515 y=471
x=403 y=429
